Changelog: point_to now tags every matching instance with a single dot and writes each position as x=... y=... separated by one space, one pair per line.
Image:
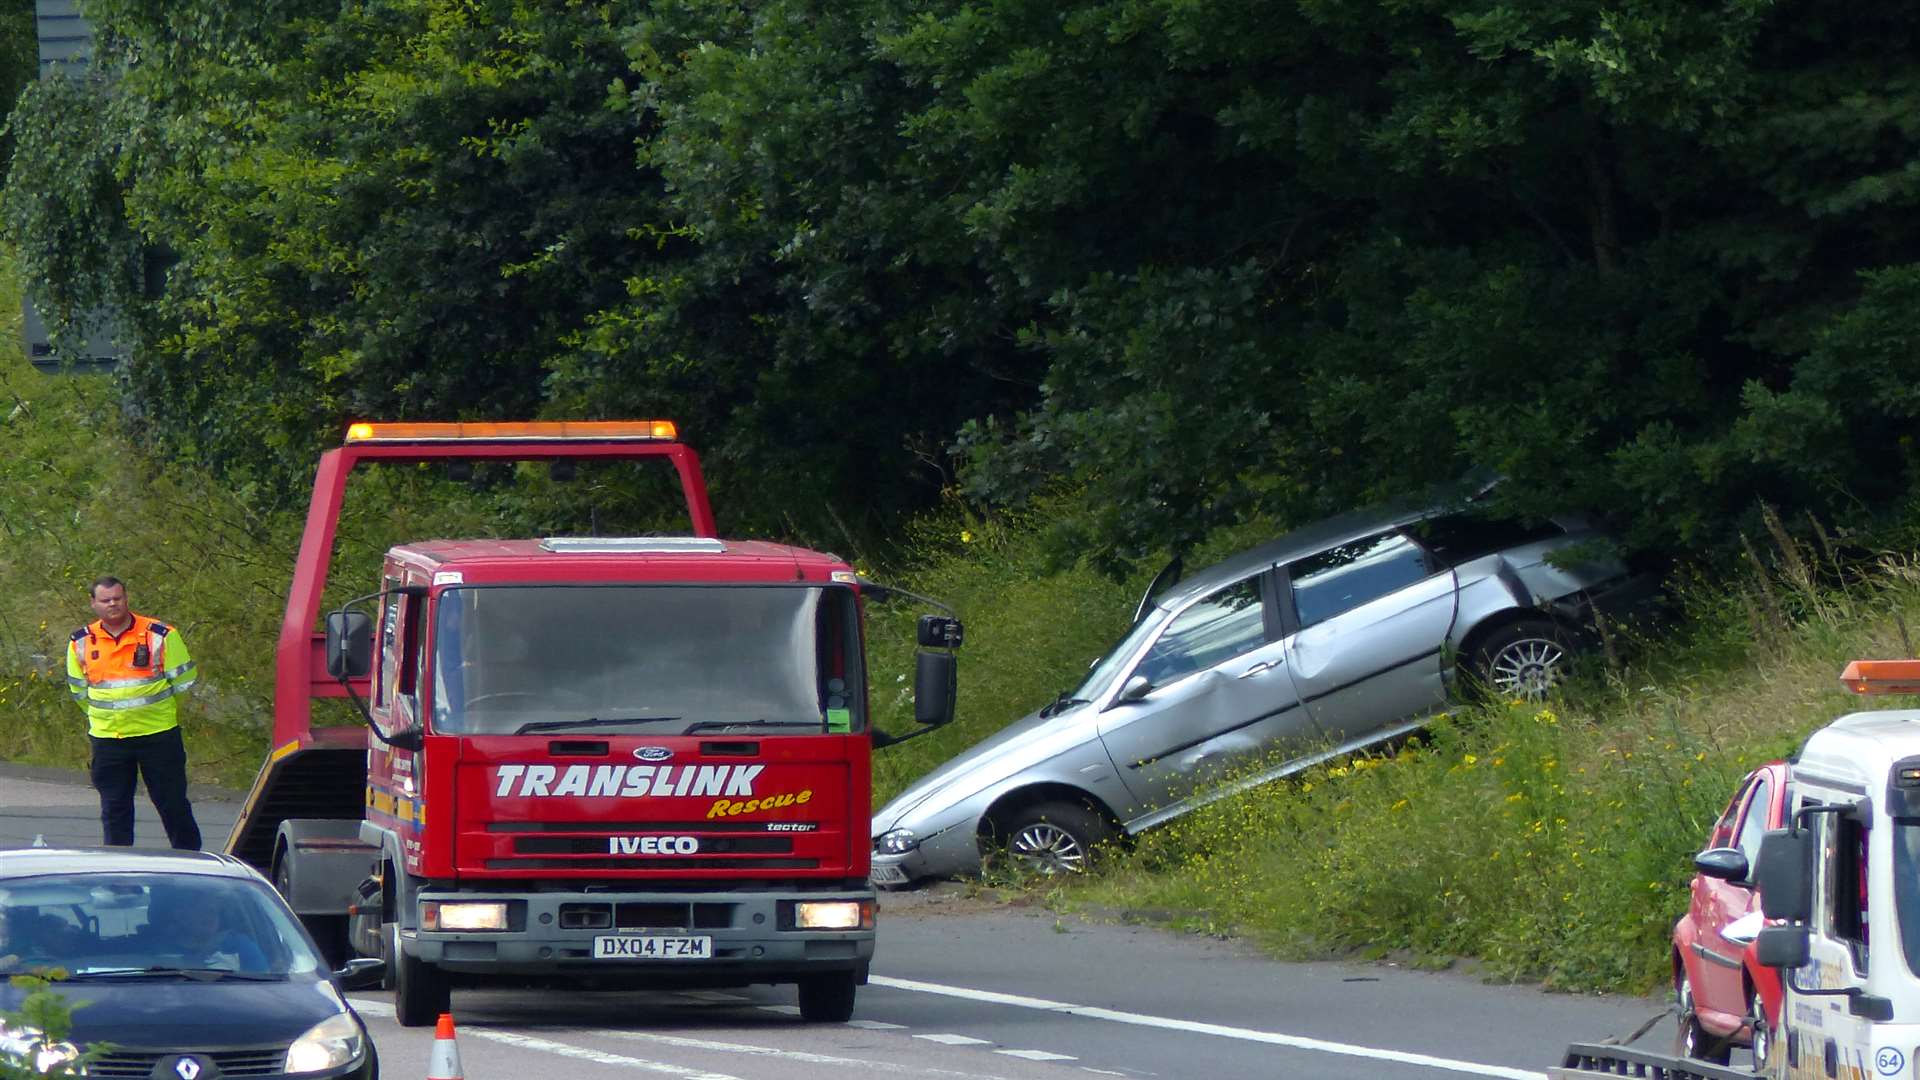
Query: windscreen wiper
x=708 y=725
x=1061 y=704
x=591 y=721
x=158 y=972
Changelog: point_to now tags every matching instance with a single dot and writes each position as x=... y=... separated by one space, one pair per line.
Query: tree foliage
x=1205 y=259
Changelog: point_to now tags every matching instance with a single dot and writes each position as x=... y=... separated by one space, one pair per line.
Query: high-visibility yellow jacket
x=128 y=683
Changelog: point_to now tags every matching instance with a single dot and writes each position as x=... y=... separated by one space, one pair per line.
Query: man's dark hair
x=104 y=581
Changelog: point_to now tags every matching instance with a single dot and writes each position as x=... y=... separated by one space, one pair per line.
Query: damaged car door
x=1211 y=690
x=1370 y=621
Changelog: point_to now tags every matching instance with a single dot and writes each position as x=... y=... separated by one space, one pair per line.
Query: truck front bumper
x=752 y=936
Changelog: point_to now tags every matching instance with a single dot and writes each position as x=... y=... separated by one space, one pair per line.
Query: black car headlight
x=330 y=1044
x=27 y=1049
x=896 y=842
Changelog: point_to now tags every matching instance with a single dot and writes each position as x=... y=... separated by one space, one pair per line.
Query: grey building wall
x=66 y=47
x=65 y=40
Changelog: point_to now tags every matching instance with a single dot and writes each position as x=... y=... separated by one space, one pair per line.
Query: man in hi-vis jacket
x=126 y=670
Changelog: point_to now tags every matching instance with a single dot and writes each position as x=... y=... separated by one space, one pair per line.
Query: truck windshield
x=1906 y=890
x=654 y=659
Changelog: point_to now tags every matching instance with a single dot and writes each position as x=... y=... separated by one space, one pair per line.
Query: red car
x=1726 y=997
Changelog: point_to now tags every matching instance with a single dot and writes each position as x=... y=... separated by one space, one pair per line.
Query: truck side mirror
x=934 y=687
x=1784 y=947
x=1784 y=874
x=940 y=632
x=1727 y=864
x=349 y=644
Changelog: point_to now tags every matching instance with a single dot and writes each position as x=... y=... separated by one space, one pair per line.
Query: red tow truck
x=608 y=762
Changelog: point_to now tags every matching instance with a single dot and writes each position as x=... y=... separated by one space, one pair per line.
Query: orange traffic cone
x=444 y=1062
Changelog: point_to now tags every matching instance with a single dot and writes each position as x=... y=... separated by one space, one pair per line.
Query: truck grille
x=597 y=845
x=631 y=863
x=646 y=916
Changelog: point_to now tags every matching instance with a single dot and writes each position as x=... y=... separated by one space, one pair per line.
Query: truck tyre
x=1523 y=660
x=827 y=999
x=1057 y=837
x=329 y=932
x=420 y=991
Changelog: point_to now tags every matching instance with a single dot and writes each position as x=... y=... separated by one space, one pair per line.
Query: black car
x=182 y=964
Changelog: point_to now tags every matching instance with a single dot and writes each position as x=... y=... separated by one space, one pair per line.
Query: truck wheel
x=1057 y=838
x=1523 y=660
x=329 y=932
x=420 y=990
x=1692 y=1040
x=827 y=999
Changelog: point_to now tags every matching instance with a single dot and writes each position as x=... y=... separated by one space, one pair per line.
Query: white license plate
x=888 y=875
x=625 y=947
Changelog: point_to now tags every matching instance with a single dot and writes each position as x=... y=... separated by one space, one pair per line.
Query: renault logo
x=187 y=1068
x=653 y=753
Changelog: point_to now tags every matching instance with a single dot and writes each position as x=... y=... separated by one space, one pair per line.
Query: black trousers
x=160 y=759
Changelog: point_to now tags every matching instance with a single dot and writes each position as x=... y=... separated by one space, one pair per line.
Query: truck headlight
x=896 y=842
x=439 y=915
x=833 y=915
x=330 y=1044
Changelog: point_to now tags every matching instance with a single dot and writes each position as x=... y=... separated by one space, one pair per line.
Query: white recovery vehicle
x=1840 y=887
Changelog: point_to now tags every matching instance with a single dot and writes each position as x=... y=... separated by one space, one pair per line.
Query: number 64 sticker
x=1889 y=1061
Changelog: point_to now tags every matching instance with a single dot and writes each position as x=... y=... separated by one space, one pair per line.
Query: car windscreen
x=1114 y=660
x=656 y=659
x=100 y=923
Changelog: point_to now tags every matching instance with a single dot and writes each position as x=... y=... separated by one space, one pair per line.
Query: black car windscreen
x=655 y=659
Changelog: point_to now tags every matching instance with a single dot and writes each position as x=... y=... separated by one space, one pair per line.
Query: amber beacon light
x=532 y=431
x=1882 y=676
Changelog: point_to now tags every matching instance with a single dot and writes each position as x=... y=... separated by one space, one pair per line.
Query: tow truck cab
x=1840 y=887
x=603 y=762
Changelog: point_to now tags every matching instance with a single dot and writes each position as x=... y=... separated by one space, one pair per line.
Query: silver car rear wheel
x=1525 y=660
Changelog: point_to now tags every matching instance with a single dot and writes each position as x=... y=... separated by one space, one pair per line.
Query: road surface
x=964 y=988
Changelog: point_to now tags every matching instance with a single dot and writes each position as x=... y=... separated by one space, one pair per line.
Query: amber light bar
x=1882 y=676
x=529 y=431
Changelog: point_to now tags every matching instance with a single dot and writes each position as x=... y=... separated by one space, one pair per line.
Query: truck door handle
x=1264 y=665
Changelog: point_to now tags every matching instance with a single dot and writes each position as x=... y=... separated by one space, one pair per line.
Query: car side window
x=1458 y=538
x=1342 y=578
x=1754 y=825
x=1212 y=630
x=1722 y=835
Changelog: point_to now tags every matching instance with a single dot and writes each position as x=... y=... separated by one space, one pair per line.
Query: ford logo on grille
x=653 y=753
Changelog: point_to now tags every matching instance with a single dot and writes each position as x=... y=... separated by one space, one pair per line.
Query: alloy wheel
x=1762 y=1035
x=1527 y=668
x=1049 y=849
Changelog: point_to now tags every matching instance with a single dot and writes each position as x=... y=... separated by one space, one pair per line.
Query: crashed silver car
x=1339 y=636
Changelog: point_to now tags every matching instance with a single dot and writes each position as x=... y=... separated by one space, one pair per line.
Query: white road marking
x=581 y=1053
x=783 y=1010
x=875 y=1025
x=954 y=1040
x=1037 y=1055
x=1274 y=1038
x=528 y=1042
x=806 y=1056
x=714 y=995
